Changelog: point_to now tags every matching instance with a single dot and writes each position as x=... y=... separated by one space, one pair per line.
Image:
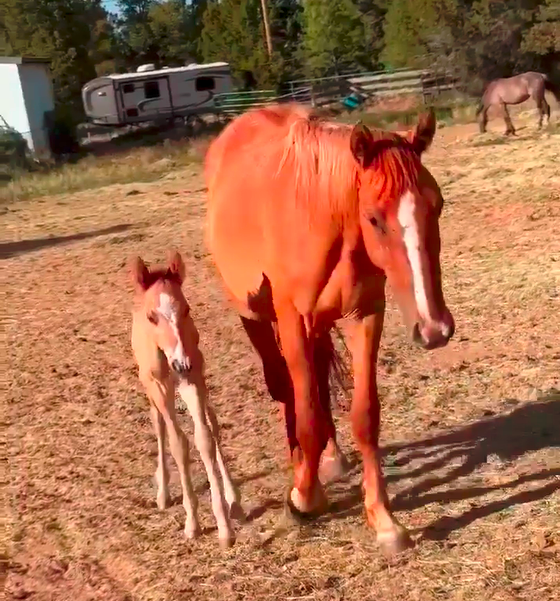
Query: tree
x=543 y=37
x=233 y=32
x=335 y=38
x=59 y=30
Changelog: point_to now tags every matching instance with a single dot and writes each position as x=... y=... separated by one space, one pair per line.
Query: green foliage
x=477 y=39
x=59 y=30
x=335 y=38
x=233 y=32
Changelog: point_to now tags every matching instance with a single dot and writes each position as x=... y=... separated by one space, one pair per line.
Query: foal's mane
x=326 y=172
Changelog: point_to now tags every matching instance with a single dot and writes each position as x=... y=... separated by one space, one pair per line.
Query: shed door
x=146 y=98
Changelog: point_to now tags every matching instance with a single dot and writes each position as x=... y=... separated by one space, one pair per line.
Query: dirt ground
x=471 y=433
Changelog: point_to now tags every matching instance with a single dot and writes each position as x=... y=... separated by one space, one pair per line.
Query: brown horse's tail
x=552 y=87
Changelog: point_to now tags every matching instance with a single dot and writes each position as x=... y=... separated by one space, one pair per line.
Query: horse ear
x=361 y=145
x=175 y=265
x=139 y=273
x=422 y=135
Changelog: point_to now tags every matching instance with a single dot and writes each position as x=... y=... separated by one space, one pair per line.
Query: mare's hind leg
x=279 y=385
x=544 y=110
x=510 y=130
x=333 y=461
x=162 y=473
x=162 y=394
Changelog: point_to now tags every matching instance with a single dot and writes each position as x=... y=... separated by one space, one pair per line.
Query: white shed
x=26 y=94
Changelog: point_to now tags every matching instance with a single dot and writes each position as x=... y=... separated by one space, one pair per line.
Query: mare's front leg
x=194 y=396
x=365 y=416
x=311 y=431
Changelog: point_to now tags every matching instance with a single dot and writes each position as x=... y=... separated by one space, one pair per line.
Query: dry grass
x=470 y=432
x=138 y=165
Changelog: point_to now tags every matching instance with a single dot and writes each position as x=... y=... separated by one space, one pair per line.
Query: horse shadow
x=14 y=249
x=500 y=439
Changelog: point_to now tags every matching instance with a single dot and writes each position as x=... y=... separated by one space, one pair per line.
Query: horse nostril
x=177 y=366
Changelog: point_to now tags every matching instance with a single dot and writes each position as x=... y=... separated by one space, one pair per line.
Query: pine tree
x=335 y=38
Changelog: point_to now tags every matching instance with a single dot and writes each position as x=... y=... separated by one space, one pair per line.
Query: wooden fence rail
x=351 y=90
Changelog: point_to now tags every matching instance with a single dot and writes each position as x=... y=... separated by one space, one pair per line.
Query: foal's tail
x=552 y=87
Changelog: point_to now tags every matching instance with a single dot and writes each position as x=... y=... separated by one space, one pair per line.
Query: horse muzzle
x=434 y=334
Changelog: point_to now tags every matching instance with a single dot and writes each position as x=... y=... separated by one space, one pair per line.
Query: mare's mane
x=319 y=153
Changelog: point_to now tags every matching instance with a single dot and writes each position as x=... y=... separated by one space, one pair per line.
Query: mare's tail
x=552 y=87
x=340 y=376
x=479 y=108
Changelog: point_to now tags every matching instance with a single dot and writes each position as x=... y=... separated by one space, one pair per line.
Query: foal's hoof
x=163 y=502
x=227 y=541
x=192 y=531
x=393 y=542
x=236 y=512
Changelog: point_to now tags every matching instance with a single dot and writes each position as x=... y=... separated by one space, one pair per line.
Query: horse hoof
x=393 y=542
x=226 y=542
x=236 y=512
x=163 y=502
x=333 y=468
x=192 y=531
x=301 y=516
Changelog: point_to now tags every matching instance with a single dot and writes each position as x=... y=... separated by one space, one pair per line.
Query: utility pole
x=266 y=28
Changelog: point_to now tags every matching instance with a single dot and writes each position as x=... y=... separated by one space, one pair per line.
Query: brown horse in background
x=306 y=221
x=515 y=90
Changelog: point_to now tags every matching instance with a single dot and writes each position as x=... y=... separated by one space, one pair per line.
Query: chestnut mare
x=165 y=347
x=515 y=90
x=306 y=221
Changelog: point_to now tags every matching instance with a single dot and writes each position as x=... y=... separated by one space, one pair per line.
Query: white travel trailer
x=153 y=94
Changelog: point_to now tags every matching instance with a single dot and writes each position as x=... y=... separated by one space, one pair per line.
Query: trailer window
x=128 y=88
x=203 y=84
x=151 y=89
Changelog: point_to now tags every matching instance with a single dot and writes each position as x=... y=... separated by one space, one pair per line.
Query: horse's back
x=241 y=165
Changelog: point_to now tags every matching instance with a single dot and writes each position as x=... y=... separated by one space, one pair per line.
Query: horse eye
x=377 y=224
x=152 y=317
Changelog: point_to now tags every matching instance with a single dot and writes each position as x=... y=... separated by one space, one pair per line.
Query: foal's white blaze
x=407 y=219
x=168 y=310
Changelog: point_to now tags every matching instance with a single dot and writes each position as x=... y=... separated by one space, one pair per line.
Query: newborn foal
x=165 y=346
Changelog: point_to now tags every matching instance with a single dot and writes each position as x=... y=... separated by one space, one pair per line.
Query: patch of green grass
x=140 y=165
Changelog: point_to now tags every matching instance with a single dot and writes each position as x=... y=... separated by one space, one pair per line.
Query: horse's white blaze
x=168 y=310
x=407 y=219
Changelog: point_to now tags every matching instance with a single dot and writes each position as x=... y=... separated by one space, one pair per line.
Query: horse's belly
x=236 y=242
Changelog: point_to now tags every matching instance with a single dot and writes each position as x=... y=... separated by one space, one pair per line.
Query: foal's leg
x=162 y=474
x=231 y=492
x=365 y=416
x=311 y=428
x=194 y=397
x=163 y=396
